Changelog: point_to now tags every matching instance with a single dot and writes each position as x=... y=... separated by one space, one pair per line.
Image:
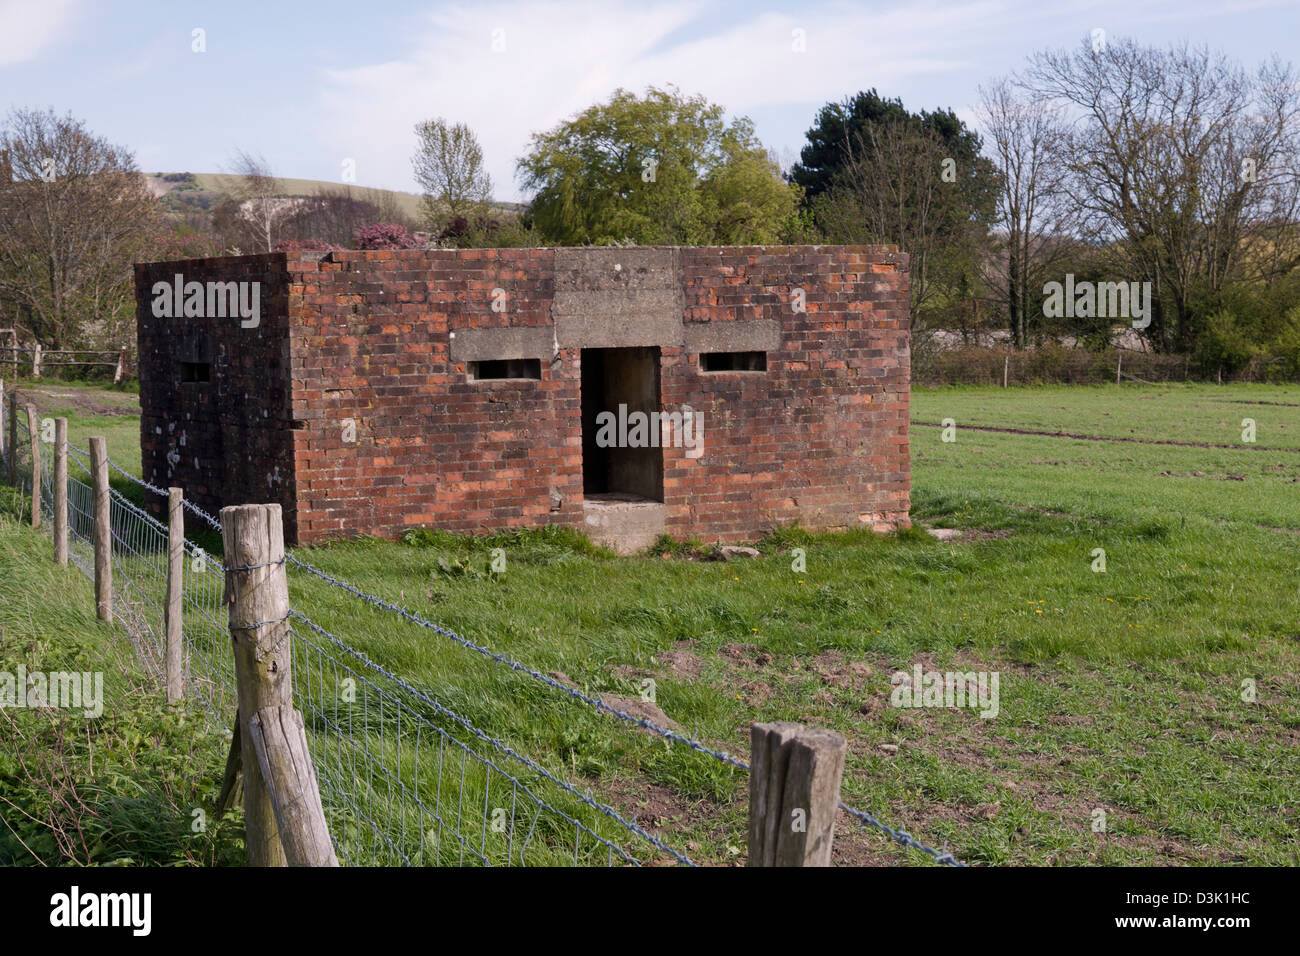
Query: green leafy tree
x=663 y=169
x=832 y=141
x=448 y=165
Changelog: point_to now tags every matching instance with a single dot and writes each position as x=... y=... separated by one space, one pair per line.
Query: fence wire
x=404 y=778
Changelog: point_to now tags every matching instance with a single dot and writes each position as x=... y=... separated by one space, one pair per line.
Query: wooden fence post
x=61 y=491
x=794 y=794
x=34 y=432
x=1119 y=366
x=13 y=437
x=284 y=820
x=103 y=530
x=121 y=365
x=36 y=361
x=280 y=741
x=1006 y=367
x=175 y=593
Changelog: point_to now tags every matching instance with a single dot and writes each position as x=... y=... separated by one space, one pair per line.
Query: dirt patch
x=84 y=401
x=642 y=709
x=664 y=812
x=747 y=674
x=743 y=654
x=632 y=706
x=1226 y=476
x=678 y=663
x=835 y=671
x=681 y=663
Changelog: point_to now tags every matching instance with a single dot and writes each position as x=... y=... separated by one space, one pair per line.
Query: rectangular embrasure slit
x=505 y=369
x=733 y=361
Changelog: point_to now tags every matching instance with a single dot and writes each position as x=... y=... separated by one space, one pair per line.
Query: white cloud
x=561 y=57
x=31 y=25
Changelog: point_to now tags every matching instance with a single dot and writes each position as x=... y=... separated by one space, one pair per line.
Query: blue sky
x=310 y=85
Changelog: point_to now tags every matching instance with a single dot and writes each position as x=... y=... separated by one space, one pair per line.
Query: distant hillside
x=206 y=187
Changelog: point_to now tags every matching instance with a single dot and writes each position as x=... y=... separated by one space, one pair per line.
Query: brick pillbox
x=458 y=389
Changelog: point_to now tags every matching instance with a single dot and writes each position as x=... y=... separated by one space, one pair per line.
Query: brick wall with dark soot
x=387 y=390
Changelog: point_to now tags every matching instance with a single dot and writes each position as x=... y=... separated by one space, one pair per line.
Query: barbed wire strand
x=82 y=456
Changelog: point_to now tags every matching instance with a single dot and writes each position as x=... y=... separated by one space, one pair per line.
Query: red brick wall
x=820 y=437
x=370 y=343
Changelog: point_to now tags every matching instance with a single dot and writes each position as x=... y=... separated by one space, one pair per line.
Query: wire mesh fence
x=405 y=778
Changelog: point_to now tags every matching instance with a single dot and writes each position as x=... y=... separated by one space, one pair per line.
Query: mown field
x=1125 y=691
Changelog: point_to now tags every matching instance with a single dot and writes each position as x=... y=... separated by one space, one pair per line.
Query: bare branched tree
x=893 y=189
x=74 y=214
x=261 y=204
x=1027 y=142
x=1182 y=166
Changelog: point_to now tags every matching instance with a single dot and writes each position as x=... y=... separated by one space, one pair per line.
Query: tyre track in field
x=1110 y=438
x=1249 y=401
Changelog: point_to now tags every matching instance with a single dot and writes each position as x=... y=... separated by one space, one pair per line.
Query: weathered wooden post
x=103 y=530
x=794 y=793
x=175 y=593
x=13 y=437
x=280 y=740
x=36 y=361
x=1119 y=366
x=61 y=491
x=282 y=808
x=121 y=365
x=34 y=432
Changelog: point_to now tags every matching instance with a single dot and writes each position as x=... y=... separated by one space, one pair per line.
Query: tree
x=1182 y=166
x=449 y=168
x=897 y=184
x=663 y=169
x=841 y=125
x=507 y=230
x=74 y=214
x=332 y=215
x=260 y=205
x=1027 y=142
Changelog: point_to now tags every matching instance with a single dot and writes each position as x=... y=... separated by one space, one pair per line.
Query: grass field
x=119 y=789
x=1123 y=691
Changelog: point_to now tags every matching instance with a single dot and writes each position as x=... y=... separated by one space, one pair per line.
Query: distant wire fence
x=1049 y=364
x=405 y=778
x=40 y=361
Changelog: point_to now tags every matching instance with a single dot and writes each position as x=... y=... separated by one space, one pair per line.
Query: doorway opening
x=622 y=458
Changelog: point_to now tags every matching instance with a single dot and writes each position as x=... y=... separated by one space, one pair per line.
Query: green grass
x=1121 y=691
x=120 y=788
x=1170 y=412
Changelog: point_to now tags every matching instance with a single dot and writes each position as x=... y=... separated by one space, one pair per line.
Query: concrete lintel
x=484 y=345
x=613 y=297
x=742 y=335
